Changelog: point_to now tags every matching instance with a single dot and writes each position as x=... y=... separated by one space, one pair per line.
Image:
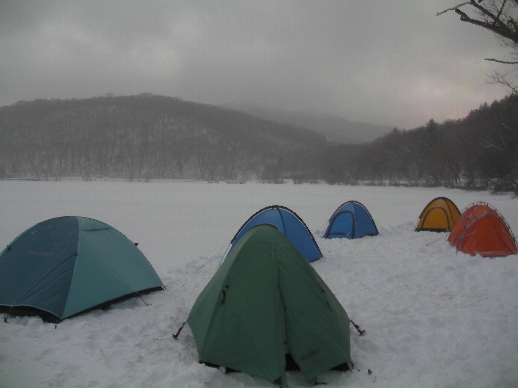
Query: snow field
x=434 y=317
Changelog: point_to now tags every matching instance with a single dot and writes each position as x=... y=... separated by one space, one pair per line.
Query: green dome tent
x=67 y=265
x=266 y=304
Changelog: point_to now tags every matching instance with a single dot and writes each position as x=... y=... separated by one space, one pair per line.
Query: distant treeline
x=155 y=137
x=479 y=151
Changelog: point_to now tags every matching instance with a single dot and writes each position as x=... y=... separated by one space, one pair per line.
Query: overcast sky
x=391 y=62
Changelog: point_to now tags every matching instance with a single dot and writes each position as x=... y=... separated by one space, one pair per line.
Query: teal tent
x=67 y=265
x=266 y=305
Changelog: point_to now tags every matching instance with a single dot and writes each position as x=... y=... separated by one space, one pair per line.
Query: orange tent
x=482 y=230
x=438 y=216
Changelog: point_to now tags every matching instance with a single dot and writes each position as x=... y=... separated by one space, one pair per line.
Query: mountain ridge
x=143 y=136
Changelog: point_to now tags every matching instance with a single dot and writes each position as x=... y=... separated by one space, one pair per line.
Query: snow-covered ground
x=434 y=317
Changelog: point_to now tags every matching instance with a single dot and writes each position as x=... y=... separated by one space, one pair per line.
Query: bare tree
x=501 y=18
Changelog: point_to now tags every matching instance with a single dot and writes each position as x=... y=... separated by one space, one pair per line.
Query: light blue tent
x=351 y=220
x=289 y=224
x=67 y=265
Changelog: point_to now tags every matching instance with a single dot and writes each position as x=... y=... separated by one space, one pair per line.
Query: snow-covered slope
x=434 y=317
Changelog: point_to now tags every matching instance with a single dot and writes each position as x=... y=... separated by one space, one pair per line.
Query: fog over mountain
x=333 y=127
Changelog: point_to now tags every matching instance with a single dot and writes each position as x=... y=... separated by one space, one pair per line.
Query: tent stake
x=362 y=332
x=142 y=299
x=175 y=336
x=434 y=241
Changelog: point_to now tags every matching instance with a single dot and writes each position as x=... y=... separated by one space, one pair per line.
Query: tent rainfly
x=266 y=305
x=67 y=265
x=289 y=224
x=438 y=216
x=351 y=220
x=482 y=230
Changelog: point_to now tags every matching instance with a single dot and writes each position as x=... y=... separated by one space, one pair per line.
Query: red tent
x=482 y=230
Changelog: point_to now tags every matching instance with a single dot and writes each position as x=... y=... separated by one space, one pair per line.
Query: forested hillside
x=479 y=151
x=141 y=137
x=155 y=137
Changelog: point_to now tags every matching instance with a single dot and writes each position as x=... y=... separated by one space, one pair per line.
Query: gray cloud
x=382 y=61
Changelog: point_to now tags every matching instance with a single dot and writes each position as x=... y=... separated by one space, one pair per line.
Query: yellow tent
x=438 y=216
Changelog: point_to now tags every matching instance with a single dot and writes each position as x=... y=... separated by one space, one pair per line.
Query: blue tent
x=351 y=220
x=289 y=224
x=67 y=265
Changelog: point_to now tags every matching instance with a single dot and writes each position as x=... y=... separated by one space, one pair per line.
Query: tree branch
x=491 y=21
x=485 y=11
x=499 y=61
x=500 y=28
x=500 y=11
x=452 y=8
x=505 y=79
x=499 y=17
